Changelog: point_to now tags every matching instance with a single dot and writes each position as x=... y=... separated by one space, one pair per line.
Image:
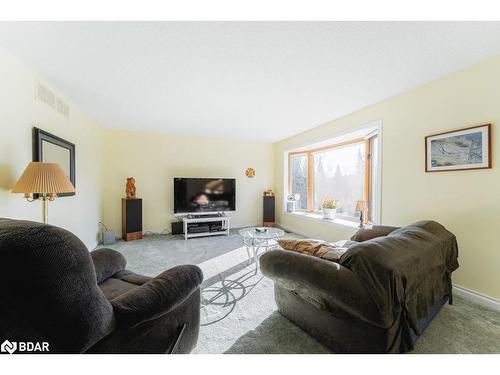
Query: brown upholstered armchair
x=52 y=289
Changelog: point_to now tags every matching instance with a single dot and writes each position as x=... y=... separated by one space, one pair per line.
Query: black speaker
x=268 y=211
x=177 y=227
x=131 y=219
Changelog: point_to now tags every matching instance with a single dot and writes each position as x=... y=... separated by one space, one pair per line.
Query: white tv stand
x=200 y=219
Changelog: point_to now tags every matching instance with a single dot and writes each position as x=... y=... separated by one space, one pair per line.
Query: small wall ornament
x=250 y=172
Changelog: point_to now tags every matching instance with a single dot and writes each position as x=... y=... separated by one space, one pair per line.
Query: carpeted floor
x=239 y=315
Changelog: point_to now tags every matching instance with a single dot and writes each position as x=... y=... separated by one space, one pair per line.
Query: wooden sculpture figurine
x=130 y=188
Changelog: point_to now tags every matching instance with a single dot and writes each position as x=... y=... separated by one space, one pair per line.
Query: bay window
x=346 y=171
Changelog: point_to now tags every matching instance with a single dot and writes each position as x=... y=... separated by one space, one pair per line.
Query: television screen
x=204 y=195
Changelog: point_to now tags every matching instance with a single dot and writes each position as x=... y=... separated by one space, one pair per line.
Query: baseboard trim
x=474 y=296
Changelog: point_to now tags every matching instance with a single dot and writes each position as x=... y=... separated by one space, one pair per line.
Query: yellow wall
x=155 y=159
x=466 y=202
x=19 y=112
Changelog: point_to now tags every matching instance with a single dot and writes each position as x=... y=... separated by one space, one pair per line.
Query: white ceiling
x=255 y=80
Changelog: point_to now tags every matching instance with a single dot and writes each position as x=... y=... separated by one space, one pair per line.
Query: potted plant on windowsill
x=329 y=208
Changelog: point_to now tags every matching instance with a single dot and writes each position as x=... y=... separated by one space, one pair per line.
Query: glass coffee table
x=260 y=238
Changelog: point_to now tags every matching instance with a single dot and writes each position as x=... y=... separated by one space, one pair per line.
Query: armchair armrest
x=107 y=262
x=326 y=284
x=365 y=234
x=156 y=297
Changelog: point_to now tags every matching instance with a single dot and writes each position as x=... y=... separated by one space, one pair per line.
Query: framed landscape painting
x=468 y=148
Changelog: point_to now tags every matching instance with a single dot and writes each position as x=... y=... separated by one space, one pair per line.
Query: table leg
x=248 y=251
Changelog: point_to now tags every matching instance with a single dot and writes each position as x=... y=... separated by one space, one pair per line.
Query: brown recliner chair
x=53 y=290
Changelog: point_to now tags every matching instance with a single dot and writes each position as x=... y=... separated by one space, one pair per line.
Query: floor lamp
x=46 y=180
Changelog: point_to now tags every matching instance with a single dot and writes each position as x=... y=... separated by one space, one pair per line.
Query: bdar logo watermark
x=8 y=346
x=22 y=346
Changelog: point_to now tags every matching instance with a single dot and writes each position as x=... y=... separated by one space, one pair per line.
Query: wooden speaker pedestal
x=131 y=219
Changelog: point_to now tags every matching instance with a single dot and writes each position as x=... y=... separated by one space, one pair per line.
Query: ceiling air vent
x=62 y=107
x=44 y=95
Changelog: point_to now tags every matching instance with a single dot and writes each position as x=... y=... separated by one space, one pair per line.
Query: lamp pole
x=45 y=210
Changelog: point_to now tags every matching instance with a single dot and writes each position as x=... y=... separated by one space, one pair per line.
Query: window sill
x=319 y=218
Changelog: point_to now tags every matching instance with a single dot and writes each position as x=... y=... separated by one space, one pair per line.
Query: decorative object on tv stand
x=269 y=193
x=250 y=172
x=130 y=188
x=268 y=210
x=468 y=148
x=43 y=181
x=131 y=213
x=48 y=148
x=329 y=206
x=362 y=208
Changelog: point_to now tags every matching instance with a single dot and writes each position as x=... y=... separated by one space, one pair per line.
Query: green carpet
x=239 y=315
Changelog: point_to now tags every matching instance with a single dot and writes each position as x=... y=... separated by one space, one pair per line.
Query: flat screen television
x=199 y=195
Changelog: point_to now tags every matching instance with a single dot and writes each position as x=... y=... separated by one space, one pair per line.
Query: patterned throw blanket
x=318 y=248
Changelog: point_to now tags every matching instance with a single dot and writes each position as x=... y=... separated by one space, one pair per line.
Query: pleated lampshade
x=361 y=206
x=43 y=178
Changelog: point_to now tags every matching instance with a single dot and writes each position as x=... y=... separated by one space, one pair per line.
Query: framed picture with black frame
x=49 y=148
